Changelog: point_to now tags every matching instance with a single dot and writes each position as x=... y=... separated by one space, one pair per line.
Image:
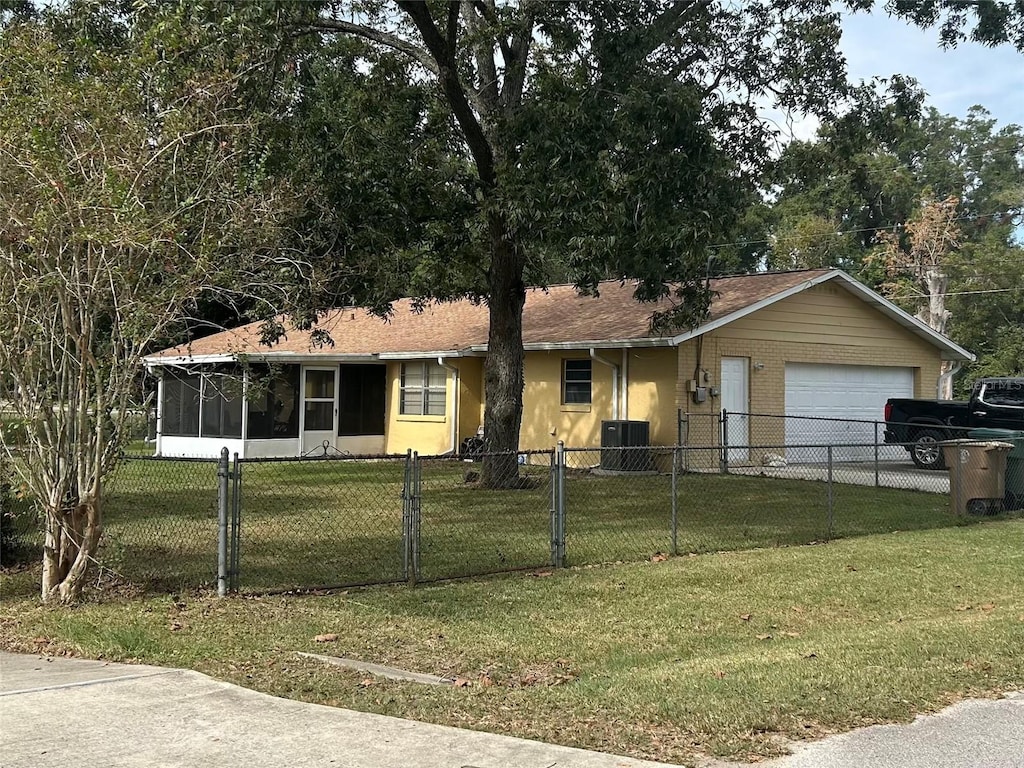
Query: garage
x=836 y=392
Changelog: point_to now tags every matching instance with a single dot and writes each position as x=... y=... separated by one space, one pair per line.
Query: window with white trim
x=576 y=382
x=424 y=389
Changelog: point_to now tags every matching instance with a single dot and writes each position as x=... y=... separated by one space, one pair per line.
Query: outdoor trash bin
x=1014 y=498
x=977 y=475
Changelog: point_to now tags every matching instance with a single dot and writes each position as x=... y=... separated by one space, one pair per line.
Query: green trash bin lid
x=1016 y=437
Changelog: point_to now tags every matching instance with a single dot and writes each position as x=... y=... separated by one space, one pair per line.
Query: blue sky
x=955 y=79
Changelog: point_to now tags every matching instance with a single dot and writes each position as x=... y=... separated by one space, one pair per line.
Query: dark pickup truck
x=919 y=425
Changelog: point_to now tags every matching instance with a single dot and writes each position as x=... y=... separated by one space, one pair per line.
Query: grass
x=726 y=654
x=339 y=523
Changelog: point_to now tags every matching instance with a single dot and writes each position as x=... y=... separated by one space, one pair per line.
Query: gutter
x=454 y=437
x=615 y=380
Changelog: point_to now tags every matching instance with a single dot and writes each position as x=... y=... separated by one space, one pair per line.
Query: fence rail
x=266 y=525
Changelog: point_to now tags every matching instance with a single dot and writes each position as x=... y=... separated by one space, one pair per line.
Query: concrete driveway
x=890 y=474
x=60 y=712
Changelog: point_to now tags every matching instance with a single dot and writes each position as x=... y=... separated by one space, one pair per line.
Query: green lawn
x=726 y=654
x=338 y=523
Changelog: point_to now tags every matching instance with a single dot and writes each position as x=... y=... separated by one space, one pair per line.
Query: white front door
x=735 y=398
x=319 y=407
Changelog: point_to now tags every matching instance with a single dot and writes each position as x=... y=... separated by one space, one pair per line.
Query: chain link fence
x=159 y=517
x=264 y=525
x=873 y=453
x=317 y=522
x=466 y=526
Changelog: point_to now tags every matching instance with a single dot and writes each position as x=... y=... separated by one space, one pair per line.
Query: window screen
x=576 y=381
x=423 y=389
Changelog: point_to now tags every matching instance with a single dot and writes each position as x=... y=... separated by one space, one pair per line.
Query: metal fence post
x=723 y=462
x=877 y=478
x=223 y=473
x=675 y=500
x=831 y=499
x=416 y=509
x=236 y=525
x=407 y=517
x=560 y=506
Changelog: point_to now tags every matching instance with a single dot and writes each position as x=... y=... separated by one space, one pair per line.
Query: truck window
x=1004 y=394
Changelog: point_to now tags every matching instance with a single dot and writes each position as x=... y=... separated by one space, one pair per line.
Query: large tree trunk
x=503 y=368
x=72 y=539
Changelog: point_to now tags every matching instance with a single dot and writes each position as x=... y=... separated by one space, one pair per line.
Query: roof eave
x=950 y=350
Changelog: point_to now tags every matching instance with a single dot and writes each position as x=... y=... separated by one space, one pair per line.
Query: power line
x=769 y=241
x=958 y=293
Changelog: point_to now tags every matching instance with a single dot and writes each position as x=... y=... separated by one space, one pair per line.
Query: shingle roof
x=555 y=316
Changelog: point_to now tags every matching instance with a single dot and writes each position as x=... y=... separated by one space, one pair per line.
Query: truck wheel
x=926 y=451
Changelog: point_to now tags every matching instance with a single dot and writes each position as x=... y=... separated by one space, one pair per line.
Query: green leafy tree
x=469 y=149
x=127 y=190
x=858 y=198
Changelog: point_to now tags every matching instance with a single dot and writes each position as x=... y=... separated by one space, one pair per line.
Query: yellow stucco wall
x=545 y=419
x=824 y=324
x=652 y=391
x=650 y=375
x=430 y=435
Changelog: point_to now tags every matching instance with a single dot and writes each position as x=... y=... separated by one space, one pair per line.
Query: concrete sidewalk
x=60 y=712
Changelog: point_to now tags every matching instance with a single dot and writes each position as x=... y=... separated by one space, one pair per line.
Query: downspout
x=454 y=438
x=947 y=377
x=615 y=380
x=625 y=383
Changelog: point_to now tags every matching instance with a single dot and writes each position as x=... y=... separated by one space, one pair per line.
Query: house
x=812 y=342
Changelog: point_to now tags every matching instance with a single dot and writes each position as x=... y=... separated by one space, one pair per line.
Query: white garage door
x=835 y=393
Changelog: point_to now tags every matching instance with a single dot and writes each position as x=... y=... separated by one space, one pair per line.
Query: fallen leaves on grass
x=764 y=637
x=659 y=557
x=329 y=637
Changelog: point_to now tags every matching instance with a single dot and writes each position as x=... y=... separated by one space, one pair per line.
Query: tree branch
x=516 y=57
x=394 y=42
x=453 y=24
x=486 y=71
x=454 y=92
